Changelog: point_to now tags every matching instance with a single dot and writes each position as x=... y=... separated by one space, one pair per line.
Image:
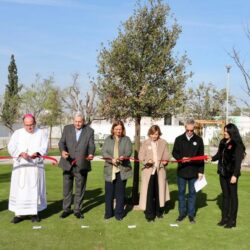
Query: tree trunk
x=50 y=139
x=7 y=125
x=135 y=189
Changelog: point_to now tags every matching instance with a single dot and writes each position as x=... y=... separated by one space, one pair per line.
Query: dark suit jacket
x=78 y=150
x=189 y=148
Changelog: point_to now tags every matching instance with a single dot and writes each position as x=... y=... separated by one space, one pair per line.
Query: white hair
x=190 y=121
x=79 y=114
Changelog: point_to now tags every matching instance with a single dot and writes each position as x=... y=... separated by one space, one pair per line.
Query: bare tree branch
x=247 y=31
x=72 y=96
x=73 y=99
x=240 y=64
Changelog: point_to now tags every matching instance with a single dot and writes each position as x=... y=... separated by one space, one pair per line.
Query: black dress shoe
x=16 y=219
x=150 y=219
x=107 y=217
x=222 y=222
x=65 y=214
x=191 y=219
x=230 y=224
x=78 y=215
x=119 y=218
x=159 y=216
x=35 y=218
x=180 y=218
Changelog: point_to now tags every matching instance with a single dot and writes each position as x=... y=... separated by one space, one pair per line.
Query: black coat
x=230 y=156
x=188 y=148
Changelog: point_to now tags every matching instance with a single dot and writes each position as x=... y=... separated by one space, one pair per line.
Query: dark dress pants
x=153 y=206
x=229 y=199
x=115 y=189
x=80 y=187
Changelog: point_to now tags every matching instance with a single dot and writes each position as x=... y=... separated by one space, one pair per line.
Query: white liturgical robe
x=28 y=189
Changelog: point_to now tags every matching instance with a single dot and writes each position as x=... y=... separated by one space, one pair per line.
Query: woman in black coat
x=230 y=154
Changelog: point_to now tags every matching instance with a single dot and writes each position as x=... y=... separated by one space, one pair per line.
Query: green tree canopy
x=207 y=102
x=139 y=73
x=10 y=109
x=35 y=95
x=52 y=114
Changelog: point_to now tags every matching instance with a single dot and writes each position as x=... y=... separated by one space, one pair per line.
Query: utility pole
x=228 y=67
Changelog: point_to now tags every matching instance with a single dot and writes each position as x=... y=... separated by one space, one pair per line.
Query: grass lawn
x=68 y=234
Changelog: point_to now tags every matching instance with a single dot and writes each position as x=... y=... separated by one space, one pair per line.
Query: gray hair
x=190 y=121
x=79 y=114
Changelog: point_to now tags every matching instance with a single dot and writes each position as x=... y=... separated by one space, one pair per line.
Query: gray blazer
x=77 y=149
x=125 y=149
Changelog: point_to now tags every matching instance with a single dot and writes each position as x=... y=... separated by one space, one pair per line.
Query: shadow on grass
x=201 y=200
x=94 y=198
x=218 y=200
x=5 y=177
x=4 y=205
x=53 y=207
x=171 y=176
x=128 y=201
x=170 y=205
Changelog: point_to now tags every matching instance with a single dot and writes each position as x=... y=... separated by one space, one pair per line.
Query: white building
x=169 y=132
x=171 y=127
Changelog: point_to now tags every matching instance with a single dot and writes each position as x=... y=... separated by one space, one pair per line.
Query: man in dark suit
x=77 y=148
x=188 y=145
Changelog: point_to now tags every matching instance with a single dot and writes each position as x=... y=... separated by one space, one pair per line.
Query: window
x=168 y=119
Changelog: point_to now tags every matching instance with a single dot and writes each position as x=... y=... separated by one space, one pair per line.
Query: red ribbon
x=6 y=157
x=49 y=158
x=194 y=158
x=45 y=157
x=54 y=160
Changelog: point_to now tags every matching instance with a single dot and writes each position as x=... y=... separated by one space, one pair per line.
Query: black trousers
x=115 y=189
x=229 y=199
x=153 y=208
x=80 y=187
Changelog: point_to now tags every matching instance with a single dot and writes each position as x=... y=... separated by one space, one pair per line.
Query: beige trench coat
x=146 y=154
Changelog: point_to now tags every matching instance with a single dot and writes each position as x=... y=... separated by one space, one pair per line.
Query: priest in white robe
x=28 y=190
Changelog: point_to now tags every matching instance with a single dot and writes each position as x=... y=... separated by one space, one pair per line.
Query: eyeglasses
x=190 y=130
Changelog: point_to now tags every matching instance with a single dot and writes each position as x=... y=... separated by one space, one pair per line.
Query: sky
x=63 y=37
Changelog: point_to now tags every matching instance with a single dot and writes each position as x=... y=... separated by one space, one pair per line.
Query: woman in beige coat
x=154 y=186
